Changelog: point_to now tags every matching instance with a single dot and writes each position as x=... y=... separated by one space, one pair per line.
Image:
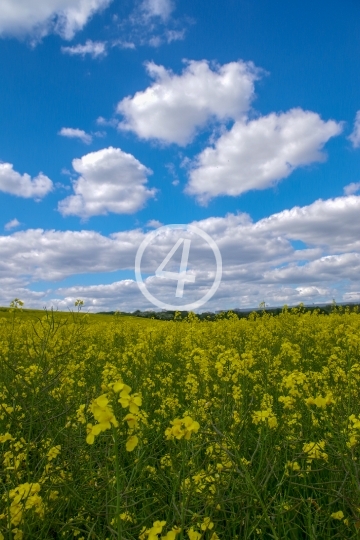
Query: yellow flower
x=320 y=401
x=190 y=426
x=92 y=431
x=118 y=386
x=293 y=465
x=133 y=402
x=23 y=497
x=171 y=535
x=80 y=414
x=18 y=534
x=132 y=420
x=99 y=403
x=105 y=418
x=155 y=530
x=207 y=524
x=337 y=515
x=193 y=535
x=131 y=443
x=260 y=416
x=315 y=450
x=4 y=438
x=182 y=427
x=126 y=516
x=53 y=452
x=272 y=422
x=265 y=416
x=355 y=421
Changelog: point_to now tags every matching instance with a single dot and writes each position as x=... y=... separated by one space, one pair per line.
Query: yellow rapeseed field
x=231 y=429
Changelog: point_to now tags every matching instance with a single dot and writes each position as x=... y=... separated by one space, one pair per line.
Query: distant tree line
x=209 y=315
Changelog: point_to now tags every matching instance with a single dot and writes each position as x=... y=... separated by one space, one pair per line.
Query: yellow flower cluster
x=153 y=532
x=24 y=497
x=182 y=428
x=103 y=413
x=277 y=399
x=266 y=416
x=315 y=451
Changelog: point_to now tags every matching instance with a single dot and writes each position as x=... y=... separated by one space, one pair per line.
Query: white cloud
x=39 y=18
x=259 y=153
x=355 y=135
x=332 y=224
x=259 y=260
x=352 y=188
x=158 y=8
x=74 y=133
x=110 y=181
x=174 y=35
x=12 y=224
x=101 y=121
x=93 y=48
x=174 y=106
x=150 y=23
x=55 y=255
x=23 y=185
x=123 y=44
x=154 y=223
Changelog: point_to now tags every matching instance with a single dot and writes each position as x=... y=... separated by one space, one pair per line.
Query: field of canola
x=233 y=429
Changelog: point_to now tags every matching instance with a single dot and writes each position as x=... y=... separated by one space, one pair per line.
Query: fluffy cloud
x=31 y=17
x=174 y=106
x=352 y=188
x=12 y=224
x=110 y=181
x=93 y=48
x=259 y=260
x=332 y=224
x=23 y=185
x=74 y=133
x=355 y=135
x=154 y=224
x=55 y=255
x=259 y=153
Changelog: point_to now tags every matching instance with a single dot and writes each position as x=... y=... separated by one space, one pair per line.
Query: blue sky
x=119 y=117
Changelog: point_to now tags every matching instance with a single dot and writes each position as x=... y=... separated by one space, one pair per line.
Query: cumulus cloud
x=259 y=260
x=23 y=185
x=332 y=224
x=258 y=153
x=37 y=19
x=93 y=48
x=355 y=135
x=352 y=188
x=12 y=224
x=154 y=223
x=174 y=106
x=54 y=255
x=109 y=181
x=74 y=133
